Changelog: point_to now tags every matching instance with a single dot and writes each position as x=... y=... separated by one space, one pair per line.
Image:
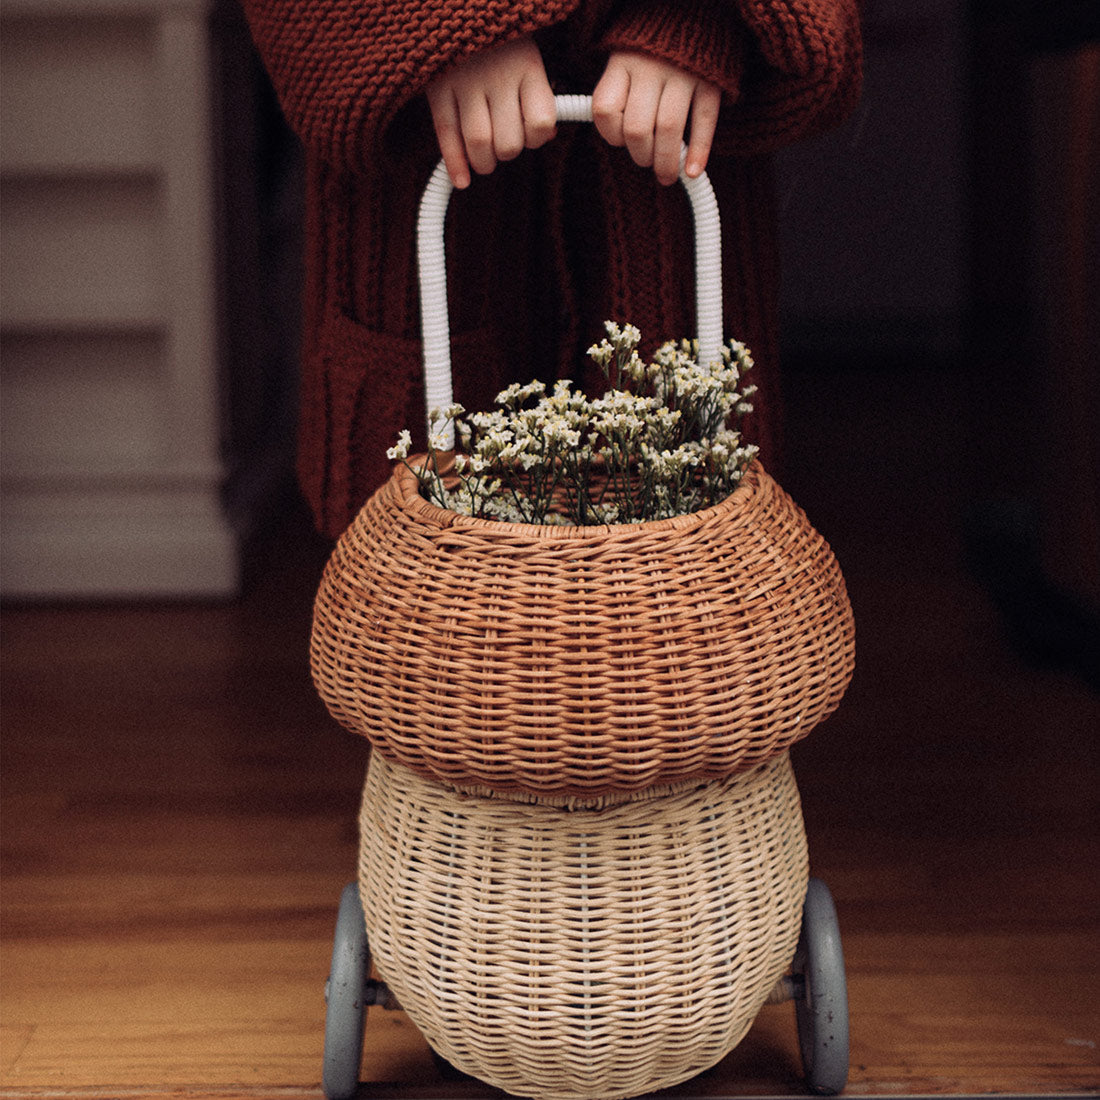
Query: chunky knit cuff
x=344 y=68
x=805 y=71
x=791 y=67
x=702 y=37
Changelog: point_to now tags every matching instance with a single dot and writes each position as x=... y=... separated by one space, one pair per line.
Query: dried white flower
x=662 y=441
x=400 y=450
x=515 y=395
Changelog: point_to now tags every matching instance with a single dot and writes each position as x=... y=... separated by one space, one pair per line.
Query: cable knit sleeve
x=343 y=68
x=787 y=68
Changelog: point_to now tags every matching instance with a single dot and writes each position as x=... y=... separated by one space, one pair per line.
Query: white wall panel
x=83 y=403
x=81 y=254
x=77 y=95
x=112 y=464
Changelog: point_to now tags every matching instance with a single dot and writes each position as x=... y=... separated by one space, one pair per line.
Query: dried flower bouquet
x=662 y=441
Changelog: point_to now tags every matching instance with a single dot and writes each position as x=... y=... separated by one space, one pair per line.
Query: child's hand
x=644 y=104
x=490 y=107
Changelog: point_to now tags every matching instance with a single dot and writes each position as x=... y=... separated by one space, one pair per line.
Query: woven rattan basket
x=580 y=660
x=588 y=952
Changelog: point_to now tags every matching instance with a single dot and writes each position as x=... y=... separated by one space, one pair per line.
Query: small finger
x=447 y=133
x=640 y=121
x=506 y=121
x=539 y=111
x=704 y=121
x=476 y=124
x=668 y=132
x=609 y=101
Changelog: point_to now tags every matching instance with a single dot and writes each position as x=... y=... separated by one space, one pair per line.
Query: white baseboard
x=116 y=543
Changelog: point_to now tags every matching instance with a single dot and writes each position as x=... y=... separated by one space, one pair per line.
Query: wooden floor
x=179 y=819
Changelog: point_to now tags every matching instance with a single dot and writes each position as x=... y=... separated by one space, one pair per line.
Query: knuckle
x=446 y=129
x=706 y=107
x=602 y=109
x=479 y=143
x=543 y=120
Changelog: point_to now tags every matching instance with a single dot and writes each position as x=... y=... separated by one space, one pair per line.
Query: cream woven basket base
x=583 y=954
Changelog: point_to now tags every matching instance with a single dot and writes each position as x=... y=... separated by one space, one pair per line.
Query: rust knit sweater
x=549 y=245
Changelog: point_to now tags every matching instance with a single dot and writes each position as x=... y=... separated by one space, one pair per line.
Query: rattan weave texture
x=583 y=954
x=579 y=660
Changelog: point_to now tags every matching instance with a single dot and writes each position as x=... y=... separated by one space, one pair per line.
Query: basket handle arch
x=431 y=258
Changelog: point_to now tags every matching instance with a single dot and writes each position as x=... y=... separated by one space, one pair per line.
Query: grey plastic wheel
x=821 y=1005
x=345 y=1014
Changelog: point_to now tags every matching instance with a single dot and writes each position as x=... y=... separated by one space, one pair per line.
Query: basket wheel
x=821 y=1006
x=345 y=1013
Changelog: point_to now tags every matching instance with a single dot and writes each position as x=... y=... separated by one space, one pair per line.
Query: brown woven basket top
x=579 y=660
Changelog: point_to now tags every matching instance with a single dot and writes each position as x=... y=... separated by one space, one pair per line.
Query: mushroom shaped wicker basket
x=581 y=660
x=583 y=952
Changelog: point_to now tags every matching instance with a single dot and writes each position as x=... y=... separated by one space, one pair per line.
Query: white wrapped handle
x=439 y=391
